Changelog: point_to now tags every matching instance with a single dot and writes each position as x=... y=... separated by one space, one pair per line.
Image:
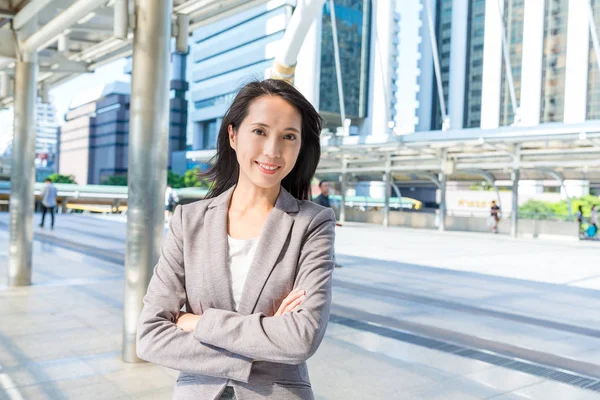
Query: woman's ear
x=232 y=141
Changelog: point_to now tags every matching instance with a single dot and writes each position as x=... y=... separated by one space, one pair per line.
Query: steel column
x=148 y=139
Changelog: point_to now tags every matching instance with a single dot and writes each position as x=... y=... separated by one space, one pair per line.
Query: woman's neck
x=248 y=197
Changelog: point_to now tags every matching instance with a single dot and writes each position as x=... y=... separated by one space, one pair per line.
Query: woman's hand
x=187 y=321
x=291 y=302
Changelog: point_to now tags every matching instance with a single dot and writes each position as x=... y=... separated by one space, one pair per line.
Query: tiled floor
x=61 y=337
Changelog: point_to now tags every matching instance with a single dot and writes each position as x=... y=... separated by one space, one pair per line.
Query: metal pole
x=436 y=61
x=22 y=178
x=387 y=180
x=344 y=180
x=442 y=225
x=442 y=179
x=593 y=32
x=398 y=193
x=305 y=13
x=515 y=203
x=514 y=219
x=569 y=204
x=147 y=173
x=121 y=19
x=338 y=68
x=561 y=180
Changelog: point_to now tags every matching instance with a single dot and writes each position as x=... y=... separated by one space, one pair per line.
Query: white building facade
x=242 y=47
x=552 y=61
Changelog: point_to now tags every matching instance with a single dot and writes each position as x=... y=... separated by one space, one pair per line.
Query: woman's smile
x=268 y=169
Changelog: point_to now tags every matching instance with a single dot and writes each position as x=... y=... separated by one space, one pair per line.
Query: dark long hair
x=225 y=171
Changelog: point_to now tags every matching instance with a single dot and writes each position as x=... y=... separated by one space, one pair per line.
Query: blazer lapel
x=216 y=253
x=273 y=238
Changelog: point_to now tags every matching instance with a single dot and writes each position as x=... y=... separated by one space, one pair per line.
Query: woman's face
x=268 y=141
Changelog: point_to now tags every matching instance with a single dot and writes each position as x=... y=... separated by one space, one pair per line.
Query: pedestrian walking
x=48 y=194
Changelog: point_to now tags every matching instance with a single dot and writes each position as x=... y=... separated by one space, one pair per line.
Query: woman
x=593 y=228
x=251 y=263
x=579 y=217
x=495 y=216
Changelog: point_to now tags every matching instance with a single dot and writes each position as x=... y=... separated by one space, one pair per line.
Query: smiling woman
x=270 y=109
x=251 y=263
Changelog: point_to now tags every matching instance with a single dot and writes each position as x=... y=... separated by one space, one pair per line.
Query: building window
x=513 y=20
x=554 y=61
x=213 y=101
x=476 y=31
x=210 y=134
x=353 y=26
x=593 y=89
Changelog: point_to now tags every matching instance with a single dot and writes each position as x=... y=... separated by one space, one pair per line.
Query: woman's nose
x=272 y=149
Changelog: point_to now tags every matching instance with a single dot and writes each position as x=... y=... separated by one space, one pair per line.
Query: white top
x=241 y=254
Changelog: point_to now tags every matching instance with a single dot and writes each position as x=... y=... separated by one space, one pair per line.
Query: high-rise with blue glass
x=242 y=47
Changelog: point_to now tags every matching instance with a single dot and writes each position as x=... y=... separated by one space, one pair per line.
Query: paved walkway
x=416 y=315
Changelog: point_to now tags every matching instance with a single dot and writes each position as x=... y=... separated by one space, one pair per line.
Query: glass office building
x=554 y=61
x=593 y=86
x=475 y=35
x=513 y=20
x=444 y=43
x=353 y=26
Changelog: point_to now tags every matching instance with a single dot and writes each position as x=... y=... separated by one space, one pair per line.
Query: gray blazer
x=263 y=355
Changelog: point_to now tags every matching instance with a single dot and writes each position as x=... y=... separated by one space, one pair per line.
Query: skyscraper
x=46 y=135
x=352 y=17
x=552 y=62
x=593 y=84
x=228 y=53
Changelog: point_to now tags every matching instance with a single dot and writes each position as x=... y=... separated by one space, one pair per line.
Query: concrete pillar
x=531 y=67
x=442 y=225
x=442 y=179
x=22 y=177
x=381 y=67
x=492 y=65
x=386 y=204
x=576 y=72
x=148 y=137
x=344 y=181
x=387 y=187
x=408 y=71
x=516 y=175
x=514 y=219
x=308 y=69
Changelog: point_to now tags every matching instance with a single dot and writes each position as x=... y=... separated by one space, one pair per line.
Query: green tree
x=175 y=180
x=57 y=178
x=535 y=209
x=115 y=180
x=191 y=179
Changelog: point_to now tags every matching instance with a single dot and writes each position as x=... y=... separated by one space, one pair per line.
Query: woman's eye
x=290 y=137
x=258 y=131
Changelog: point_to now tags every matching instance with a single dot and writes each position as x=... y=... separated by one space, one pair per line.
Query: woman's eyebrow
x=267 y=126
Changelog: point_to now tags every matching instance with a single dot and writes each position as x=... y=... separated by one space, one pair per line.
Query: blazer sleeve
x=159 y=340
x=293 y=337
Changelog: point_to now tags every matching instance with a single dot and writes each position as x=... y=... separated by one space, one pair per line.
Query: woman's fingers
x=293 y=296
x=293 y=305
